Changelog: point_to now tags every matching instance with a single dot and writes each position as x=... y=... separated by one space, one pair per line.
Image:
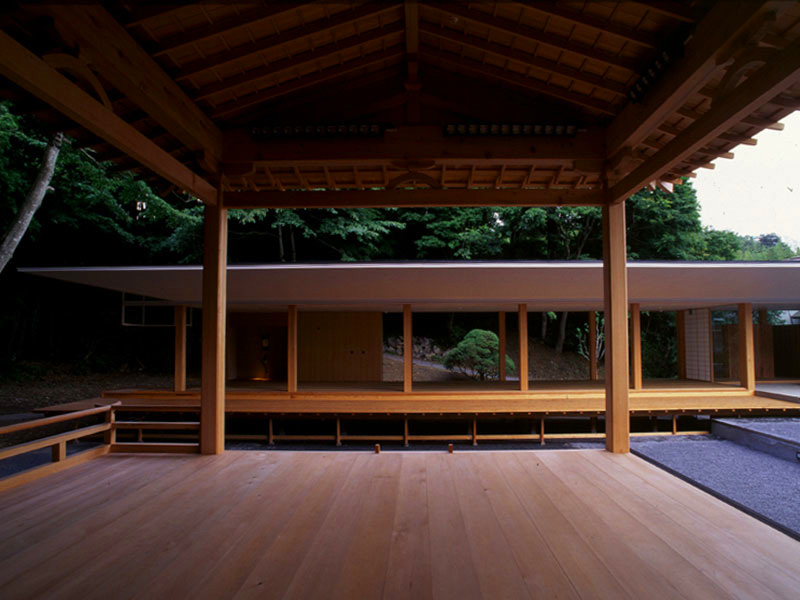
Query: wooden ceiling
x=269 y=101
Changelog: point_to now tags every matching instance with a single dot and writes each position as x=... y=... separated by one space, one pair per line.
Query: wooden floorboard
x=547 y=524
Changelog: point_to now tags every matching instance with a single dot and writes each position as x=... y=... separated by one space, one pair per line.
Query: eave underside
x=634 y=94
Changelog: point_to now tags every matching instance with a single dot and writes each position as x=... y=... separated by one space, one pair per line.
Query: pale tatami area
x=548 y=524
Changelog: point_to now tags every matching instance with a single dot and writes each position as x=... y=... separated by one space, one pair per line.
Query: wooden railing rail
x=57 y=443
x=140 y=445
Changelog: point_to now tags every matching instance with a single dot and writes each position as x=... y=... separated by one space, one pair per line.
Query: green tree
x=477 y=355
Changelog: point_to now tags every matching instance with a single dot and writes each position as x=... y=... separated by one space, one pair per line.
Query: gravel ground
x=763 y=484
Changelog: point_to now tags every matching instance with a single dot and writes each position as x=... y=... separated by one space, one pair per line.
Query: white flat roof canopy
x=457 y=286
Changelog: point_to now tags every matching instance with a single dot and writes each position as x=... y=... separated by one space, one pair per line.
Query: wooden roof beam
x=236 y=107
x=419 y=198
x=415 y=143
x=520 y=81
x=115 y=55
x=670 y=8
x=249 y=18
x=531 y=33
x=314 y=28
x=760 y=88
x=724 y=23
x=291 y=62
x=525 y=58
x=604 y=26
x=32 y=74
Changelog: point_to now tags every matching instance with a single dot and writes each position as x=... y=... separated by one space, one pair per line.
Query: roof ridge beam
x=759 y=89
x=115 y=55
x=723 y=24
x=32 y=74
x=541 y=37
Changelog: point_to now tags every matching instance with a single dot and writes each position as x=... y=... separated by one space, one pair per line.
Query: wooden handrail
x=53 y=440
x=56 y=419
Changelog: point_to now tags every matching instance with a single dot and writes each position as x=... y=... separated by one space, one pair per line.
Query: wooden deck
x=549 y=524
x=456 y=398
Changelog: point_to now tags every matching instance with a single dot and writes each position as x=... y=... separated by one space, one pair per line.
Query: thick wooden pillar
x=680 y=332
x=180 y=349
x=615 y=290
x=592 y=345
x=523 y=347
x=291 y=328
x=408 y=349
x=212 y=391
x=747 y=362
x=636 y=347
x=501 y=336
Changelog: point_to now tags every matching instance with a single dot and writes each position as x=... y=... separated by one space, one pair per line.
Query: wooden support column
x=212 y=390
x=408 y=349
x=180 y=349
x=680 y=327
x=523 y=347
x=291 y=328
x=615 y=291
x=747 y=363
x=592 y=345
x=636 y=347
x=501 y=336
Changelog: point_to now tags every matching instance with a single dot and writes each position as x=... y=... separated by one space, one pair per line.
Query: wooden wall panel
x=340 y=346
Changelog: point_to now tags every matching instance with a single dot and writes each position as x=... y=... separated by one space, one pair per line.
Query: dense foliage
x=477 y=356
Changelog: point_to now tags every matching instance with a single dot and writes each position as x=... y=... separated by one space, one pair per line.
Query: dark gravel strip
x=761 y=485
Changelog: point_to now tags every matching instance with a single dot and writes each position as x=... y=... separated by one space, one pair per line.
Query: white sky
x=759 y=190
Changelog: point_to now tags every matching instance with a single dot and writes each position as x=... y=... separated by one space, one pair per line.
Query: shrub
x=477 y=356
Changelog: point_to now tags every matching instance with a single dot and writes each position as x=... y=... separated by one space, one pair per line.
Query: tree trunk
x=562 y=332
x=280 y=244
x=544 y=325
x=32 y=201
x=291 y=239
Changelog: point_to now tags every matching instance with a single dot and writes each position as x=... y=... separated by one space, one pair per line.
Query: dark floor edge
x=719 y=496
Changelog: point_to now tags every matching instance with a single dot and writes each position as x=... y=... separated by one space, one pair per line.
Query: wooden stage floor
x=448 y=398
x=547 y=524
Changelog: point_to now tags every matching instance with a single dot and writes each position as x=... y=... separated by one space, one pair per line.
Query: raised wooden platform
x=454 y=398
x=567 y=524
